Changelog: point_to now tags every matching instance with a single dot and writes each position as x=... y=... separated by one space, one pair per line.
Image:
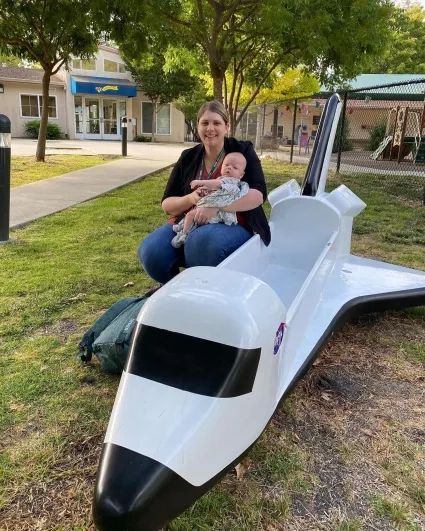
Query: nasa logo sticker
x=279 y=338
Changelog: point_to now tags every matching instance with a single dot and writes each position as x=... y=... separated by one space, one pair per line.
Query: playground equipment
x=216 y=350
x=404 y=136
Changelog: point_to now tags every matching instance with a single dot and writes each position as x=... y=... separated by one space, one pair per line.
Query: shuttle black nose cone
x=136 y=493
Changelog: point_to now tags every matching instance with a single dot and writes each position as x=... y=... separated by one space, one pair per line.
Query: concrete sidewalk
x=142 y=150
x=39 y=199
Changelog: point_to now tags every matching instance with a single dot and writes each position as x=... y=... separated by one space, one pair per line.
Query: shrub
x=32 y=128
x=345 y=141
x=142 y=138
x=377 y=134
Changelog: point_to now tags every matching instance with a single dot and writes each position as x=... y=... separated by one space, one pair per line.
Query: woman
x=209 y=244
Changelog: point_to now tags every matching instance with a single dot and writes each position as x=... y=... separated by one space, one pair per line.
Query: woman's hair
x=213 y=106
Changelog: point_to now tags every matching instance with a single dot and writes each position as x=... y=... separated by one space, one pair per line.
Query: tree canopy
x=49 y=33
x=189 y=105
x=405 y=51
x=159 y=85
x=9 y=60
x=332 y=40
x=252 y=39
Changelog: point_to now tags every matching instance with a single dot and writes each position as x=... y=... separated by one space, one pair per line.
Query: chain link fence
x=380 y=137
x=287 y=128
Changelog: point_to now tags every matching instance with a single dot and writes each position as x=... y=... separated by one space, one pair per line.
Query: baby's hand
x=203 y=191
x=194 y=184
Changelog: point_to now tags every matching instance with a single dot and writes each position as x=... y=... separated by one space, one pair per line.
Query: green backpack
x=109 y=337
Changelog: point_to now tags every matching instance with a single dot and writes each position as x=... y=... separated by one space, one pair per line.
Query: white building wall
x=103 y=53
x=11 y=107
x=10 y=103
x=177 y=126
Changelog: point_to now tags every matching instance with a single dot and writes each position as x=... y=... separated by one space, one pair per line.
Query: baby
x=219 y=193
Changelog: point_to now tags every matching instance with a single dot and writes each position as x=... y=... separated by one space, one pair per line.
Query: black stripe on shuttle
x=192 y=364
x=134 y=492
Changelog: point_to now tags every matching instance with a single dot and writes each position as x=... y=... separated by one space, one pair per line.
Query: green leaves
x=405 y=50
x=157 y=84
x=49 y=32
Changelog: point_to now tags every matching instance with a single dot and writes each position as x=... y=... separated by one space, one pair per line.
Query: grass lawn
x=344 y=453
x=25 y=170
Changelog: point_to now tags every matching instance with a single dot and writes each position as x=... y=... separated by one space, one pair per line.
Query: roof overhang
x=103 y=86
x=381 y=96
x=32 y=81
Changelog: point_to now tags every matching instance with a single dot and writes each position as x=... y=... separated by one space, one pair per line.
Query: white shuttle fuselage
x=217 y=349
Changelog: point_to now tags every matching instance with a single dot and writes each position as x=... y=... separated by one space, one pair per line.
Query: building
x=87 y=101
x=21 y=99
x=277 y=121
x=372 y=99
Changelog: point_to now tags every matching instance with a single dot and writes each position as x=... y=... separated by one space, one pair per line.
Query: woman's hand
x=204 y=214
x=175 y=206
x=252 y=199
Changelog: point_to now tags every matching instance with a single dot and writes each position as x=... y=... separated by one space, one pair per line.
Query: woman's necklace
x=211 y=172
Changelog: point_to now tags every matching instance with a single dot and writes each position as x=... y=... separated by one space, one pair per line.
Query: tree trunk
x=218 y=88
x=232 y=124
x=193 y=130
x=217 y=73
x=41 y=144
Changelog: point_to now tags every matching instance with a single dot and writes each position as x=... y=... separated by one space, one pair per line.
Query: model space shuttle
x=217 y=349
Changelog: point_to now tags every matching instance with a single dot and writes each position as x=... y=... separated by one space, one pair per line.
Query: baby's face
x=233 y=165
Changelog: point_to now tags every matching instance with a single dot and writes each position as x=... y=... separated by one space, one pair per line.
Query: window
x=52 y=106
x=113 y=66
x=316 y=120
x=32 y=106
x=78 y=111
x=162 y=119
x=29 y=106
x=84 y=64
x=146 y=117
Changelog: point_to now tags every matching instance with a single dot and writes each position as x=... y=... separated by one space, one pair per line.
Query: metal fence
x=382 y=134
x=288 y=127
x=380 y=137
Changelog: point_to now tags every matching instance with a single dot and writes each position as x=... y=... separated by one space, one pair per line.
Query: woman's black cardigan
x=189 y=162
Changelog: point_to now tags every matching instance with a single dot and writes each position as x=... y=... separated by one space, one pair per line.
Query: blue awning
x=106 y=86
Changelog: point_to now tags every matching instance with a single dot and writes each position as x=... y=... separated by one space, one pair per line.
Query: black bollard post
x=5 y=143
x=124 y=137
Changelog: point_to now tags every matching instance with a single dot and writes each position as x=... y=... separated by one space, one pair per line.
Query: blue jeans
x=208 y=245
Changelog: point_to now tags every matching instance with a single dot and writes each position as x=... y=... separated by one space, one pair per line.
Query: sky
x=421 y=2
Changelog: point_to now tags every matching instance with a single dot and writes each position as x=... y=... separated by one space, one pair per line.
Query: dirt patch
x=53 y=505
x=62 y=329
x=63 y=501
x=357 y=415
